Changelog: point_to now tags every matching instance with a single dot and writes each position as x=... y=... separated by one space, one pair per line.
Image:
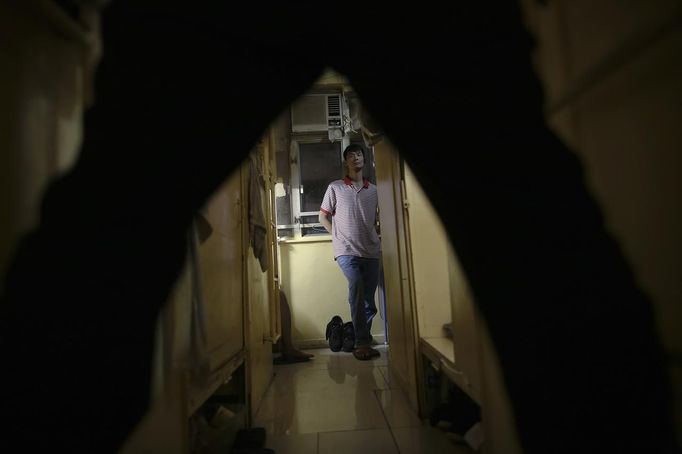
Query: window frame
x=295 y=179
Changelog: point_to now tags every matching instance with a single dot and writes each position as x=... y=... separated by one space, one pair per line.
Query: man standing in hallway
x=349 y=213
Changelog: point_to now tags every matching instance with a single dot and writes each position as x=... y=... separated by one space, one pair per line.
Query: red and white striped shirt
x=354 y=215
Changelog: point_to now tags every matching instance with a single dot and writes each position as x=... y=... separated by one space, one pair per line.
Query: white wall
x=317 y=290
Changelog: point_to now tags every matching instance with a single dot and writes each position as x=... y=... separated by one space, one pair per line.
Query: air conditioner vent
x=334 y=106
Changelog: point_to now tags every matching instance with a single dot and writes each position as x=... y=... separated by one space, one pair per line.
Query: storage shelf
x=217 y=378
x=439 y=347
x=441 y=352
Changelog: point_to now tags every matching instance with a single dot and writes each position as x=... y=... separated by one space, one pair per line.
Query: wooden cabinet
x=399 y=307
x=425 y=290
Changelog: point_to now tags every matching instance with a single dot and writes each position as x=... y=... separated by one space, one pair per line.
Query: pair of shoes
x=341 y=336
x=348 y=337
x=335 y=333
x=366 y=353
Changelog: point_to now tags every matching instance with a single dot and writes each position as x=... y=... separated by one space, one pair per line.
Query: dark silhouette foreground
x=184 y=91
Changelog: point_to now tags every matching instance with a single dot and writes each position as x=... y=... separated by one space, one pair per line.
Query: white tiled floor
x=337 y=404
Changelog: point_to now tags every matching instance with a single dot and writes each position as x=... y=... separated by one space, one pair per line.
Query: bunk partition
x=439 y=342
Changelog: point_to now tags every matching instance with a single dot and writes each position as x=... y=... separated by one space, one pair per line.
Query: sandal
x=365 y=353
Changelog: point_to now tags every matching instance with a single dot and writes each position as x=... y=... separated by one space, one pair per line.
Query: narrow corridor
x=336 y=404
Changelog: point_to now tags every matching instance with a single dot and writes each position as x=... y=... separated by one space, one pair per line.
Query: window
x=319 y=164
x=284 y=215
x=305 y=173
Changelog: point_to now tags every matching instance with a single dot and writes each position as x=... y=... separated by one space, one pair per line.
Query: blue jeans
x=363 y=277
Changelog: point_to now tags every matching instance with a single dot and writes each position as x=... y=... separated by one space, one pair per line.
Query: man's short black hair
x=352 y=148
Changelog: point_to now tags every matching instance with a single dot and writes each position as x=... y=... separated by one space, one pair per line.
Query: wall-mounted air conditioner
x=317 y=112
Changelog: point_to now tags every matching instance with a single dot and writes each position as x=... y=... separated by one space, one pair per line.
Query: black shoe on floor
x=348 y=337
x=335 y=333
